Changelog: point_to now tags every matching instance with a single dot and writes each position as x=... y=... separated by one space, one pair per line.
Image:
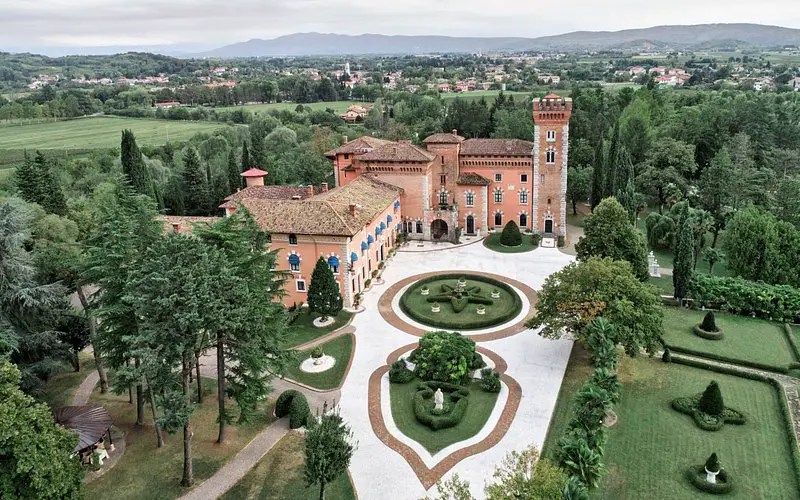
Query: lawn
x=279 y=476
x=650 y=447
x=663 y=283
x=338 y=106
x=340 y=348
x=492 y=242
x=419 y=306
x=145 y=472
x=303 y=329
x=60 y=389
x=579 y=369
x=98 y=132
x=489 y=95
x=480 y=406
x=746 y=339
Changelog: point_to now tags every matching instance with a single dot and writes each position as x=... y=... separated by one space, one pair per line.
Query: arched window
x=419 y=226
x=498 y=195
x=498 y=219
x=550 y=156
x=523 y=197
x=470 y=199
x=442 y=197
x=523 y=220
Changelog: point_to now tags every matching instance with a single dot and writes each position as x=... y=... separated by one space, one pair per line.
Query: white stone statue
x=438 y=399
x=652 y=262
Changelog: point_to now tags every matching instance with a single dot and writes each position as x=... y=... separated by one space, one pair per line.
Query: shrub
x=535 y=239
x=444 y=356
x=316 y=352
x=458 y=397
x=298 y=411
x=368 y=282
x=703 y=333
x=667 y=356
x=561 y=241
x=709 y=324
x=284 y=402
x=477 y=362
x=490 y=380
x=697 y=476
x=740 y=296
x=399 y=373
x=511 y=237
x=712 y=464
x=711 y=401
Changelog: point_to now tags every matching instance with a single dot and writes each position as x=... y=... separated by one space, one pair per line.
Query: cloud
x=95 y=23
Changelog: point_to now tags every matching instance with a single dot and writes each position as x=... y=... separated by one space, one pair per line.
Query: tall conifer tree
x=597 y=176
x=683 y=265
x=234 y=179
x=133 y=165
x=196 y=195
x=323 y=292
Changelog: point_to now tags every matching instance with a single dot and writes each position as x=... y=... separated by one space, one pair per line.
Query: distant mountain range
x=675 y=37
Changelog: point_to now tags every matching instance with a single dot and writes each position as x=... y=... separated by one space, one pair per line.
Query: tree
x=246 y=163
x=683 y=266
x=444 y=356
x=329 y=448
x=133 y=165
x=525 y=475
x=573 y=297
x=715 y=191
x=324 y=296
x=787 y=200
x=598 y=174
x=37 y=183
x=34 y=451
x=712 y=256
x=234 y=173
x=251 y=344
x=609 y=233
x=579 y=184
x=751 y=245
x=711 y=401
x=511 y=237
x=29 y=182
x=196 y=194
x=181 y=289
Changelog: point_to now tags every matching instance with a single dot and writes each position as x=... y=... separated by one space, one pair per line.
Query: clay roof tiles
x=443 y=138
x=399 y=152
x=472 y=179
x=496 y=147
x=272 y=193
x=356 y=146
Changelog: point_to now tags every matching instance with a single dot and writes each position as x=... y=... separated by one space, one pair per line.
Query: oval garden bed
x=465 y=302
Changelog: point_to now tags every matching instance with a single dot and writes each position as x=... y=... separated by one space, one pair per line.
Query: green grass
x=650 y=447
x=575 y=220
x=489 y=95
x=279 y=476
x=578 y=371
x=746 y=339
x=663 y=283
x=418 y=306
x=60 y=389
x=340 y=348
x=481 y=404
x=146 y=472
x=303 y=329
x=338 y=106
x=98 y=132
x=493 y=243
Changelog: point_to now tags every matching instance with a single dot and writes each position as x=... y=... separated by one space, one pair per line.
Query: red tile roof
x=399 y=151
x=271 y=193
x=254 y=172
x=472 y=179
x=443 y=138
x=363 y=144
x=496 y=147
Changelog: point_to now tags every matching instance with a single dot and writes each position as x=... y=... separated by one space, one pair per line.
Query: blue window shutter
x=364 y=245
x=333 y=261
x=294 y=259
x=353 y=257
x=370 y=239
x=388 y=219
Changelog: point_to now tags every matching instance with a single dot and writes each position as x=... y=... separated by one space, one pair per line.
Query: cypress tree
x=612 y=165
x=711 y=401
x=597 y=176
x=52 y=198
x=29 y=183
x=234 y=179
x=511 y=237
x=323 y=292
x=709 y=323
x=683 y=266
x=133 y=165
x=195 y=184
x=245 y=158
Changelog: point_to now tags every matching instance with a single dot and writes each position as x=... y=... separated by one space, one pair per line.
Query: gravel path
x=85 y=390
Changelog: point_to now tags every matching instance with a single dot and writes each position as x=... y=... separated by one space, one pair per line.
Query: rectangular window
x=551 y=136
x=295 y=267
x=523 y=197
x=551 y=156
x=443 y=179
x=293 y=239
x=301 y=285
x=498 y=177
x=443 y=198
x=346 y=156
x=419 y=227
x=523 y=177
x=541 y=178
x=498 y=196
x=470 y=200
x=335 y=269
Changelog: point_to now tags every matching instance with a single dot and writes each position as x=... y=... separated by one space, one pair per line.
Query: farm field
x=337 y=106
x=98 y=132
x=651 y=446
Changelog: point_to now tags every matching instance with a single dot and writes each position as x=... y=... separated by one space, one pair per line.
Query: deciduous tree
x=328 y=449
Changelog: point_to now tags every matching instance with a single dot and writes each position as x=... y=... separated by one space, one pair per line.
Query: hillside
x=677 y=37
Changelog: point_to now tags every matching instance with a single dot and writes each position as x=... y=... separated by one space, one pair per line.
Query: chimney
x=310 y=190
x=324 y=186
x=345 y=139
x=354 y=209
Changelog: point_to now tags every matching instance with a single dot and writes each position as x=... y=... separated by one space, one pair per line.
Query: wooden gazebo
x=90 y=422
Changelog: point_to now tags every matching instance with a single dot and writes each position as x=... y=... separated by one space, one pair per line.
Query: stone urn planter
x=316 y=354
x=481 y=310
x=495 y=293
x=424 y=290
x=711 y=476
x=462 y=282
x=436 y=307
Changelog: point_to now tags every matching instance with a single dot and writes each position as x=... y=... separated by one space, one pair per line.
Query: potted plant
x=435 y=307
x=424 y=290
x=481 y=309
x=495 y=293
x=317 y=353
x=712 y=468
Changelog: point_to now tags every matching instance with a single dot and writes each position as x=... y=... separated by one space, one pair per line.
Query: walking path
x=788 y=383
x=85 y=390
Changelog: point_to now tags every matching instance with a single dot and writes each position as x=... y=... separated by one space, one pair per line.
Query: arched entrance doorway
x=548 y=225
x=470 y=224
x=438 y=229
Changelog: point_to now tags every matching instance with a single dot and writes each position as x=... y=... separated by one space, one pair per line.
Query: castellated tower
x=550 y=153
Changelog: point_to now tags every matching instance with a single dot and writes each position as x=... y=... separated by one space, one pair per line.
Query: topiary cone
x=712 y=464
x=711 y=401
x=511 y=237
x=709 y=324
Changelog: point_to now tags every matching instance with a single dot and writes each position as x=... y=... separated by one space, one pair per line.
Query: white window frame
x=469 y=199
x=551 y=136
x=297 y=286
x=334 y=269
x=498 y=195
x=523 y=192
x=498 y=177
x=292 y=267
x=550 y=156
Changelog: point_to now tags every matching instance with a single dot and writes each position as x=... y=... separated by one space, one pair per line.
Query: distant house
x=658 y=69
x=355 y=112
x=166 y=104
x=637 y=70
x=228 y=84
x=795 y=84
x=444 y=87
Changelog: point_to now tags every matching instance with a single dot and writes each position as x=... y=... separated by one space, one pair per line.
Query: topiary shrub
x=298 y=411
x=709 y=324
x=511 y=237
x=708 y=328
x=316 y=352
x=561 y=242
x=399 y=373
x=698 y=476
x=444 y=356
x=284 y=401
x=667 y=356
x=455 y=405
x=712 y=464
x=711 y=401
x=490 y=380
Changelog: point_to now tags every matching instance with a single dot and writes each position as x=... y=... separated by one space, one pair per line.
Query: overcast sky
x=211 y=23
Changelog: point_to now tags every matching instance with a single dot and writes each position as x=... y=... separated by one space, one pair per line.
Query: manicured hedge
x=787 y=329
x=399 y=373
x=691 y=406
x=298 y=412
x=473 y=323
x=697 y=476
x=724 y=359
x=490 y=380
x=457 y=396
x=284 y=401
x=718 y=335
x=741 y=296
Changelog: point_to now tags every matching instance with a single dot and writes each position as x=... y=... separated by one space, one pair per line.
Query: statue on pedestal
x=438 y=399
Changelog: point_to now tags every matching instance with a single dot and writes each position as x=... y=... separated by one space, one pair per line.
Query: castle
x=384 y=188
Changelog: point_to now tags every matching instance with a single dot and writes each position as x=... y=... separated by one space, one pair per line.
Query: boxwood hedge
x=457 y=396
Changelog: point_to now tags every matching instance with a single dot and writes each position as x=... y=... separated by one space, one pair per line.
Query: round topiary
x=667 y=356
x=699 y=476
x=316 y=352
x=708 y=328
x=298 y=412
x=490 y=380
x=284 y=401
x=444 y=356
x=511 y=237
x=711 y=401
x=399 y=373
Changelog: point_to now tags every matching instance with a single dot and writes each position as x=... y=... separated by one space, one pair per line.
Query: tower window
x=551 y=136
x=523 y=197
x=443 y=198
x=550 y=156
x=541 y=179
x=443 y=179
x=293 y=239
